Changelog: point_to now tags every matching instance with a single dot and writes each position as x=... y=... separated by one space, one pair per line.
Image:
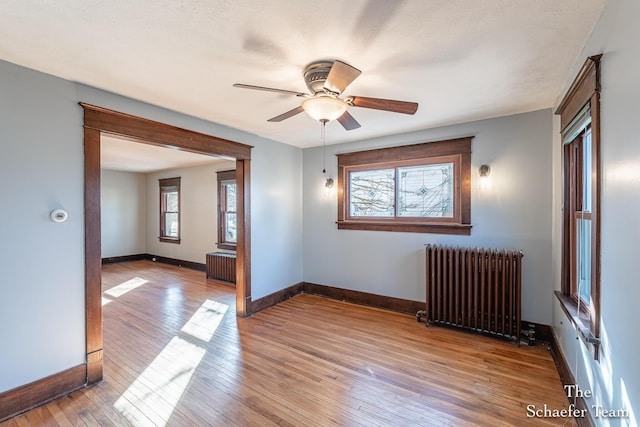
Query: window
x=578 y=163
x=227 y=215
x=170 y=210
x=422 y=188
x=580 y=287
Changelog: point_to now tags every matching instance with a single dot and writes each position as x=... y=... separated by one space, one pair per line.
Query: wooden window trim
x=223 y=176
x=165 y=185
x=585 y=89
x=445 y=151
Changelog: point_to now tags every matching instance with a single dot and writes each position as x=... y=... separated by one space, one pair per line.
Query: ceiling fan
x=326 y=80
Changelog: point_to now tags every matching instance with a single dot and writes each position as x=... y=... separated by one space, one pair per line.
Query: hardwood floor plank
x=58 y=417
x=306 y=361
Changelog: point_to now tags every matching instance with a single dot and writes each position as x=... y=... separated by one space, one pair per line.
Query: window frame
x=169 y=185
x=574 y=202
x=224 y=177
x=585 y=91
x=457 y=151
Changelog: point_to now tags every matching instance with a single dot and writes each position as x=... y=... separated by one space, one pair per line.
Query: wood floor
x=176 y=355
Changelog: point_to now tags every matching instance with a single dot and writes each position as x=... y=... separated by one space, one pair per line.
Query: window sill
x=169 y=240
x=227 y=246
x=581 y=322
x=409 y=227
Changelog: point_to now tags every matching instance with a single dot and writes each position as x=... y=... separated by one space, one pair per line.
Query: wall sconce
x=484 y=171
x=328 y=183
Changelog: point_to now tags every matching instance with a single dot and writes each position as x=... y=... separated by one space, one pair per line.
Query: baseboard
x=355 y=297
x=567 y=378
x=157 y=258
x=364 y=298
x=28 y=396
x=124 y=258
x=95 y=367
x=276 y=297
x=178 y=262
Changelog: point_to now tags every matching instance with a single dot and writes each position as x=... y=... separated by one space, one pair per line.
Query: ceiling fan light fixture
x=324 y=108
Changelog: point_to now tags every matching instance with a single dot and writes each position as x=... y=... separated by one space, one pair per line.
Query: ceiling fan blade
x=269 y=89
x=286 y=115
x=348 y=122
x=403 y=107
x=340 y=76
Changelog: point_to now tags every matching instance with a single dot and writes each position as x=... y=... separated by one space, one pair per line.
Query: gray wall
x=42 y=263
x=123 y=211
x=615 y=379
x=42 y=273
x=513 y=212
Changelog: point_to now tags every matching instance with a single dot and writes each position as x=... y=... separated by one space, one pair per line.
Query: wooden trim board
x=364 y=298
x=28 y=396
x=347 y=295
x=172 y=261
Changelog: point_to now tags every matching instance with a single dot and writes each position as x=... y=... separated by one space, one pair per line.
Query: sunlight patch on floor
x=153 y=396
x=125 y=287
x=205 y=321
x=105 y=301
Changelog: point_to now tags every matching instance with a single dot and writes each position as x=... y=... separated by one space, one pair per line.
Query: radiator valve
x=530 y=334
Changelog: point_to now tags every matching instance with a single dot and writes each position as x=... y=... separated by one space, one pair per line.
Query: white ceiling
x=123 y=154
x=461 y=60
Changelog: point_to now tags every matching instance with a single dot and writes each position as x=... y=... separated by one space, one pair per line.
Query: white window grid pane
x=172 y=201
x=171 y=224
x=231 y=196
x=426 y=191
x=583 y=266
x=586 y=172
x=371 y=193
x=231 y=229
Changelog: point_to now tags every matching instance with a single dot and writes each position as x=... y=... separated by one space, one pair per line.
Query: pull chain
x=324 y=145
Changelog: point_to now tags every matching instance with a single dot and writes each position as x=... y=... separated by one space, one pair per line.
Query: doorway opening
x=99 y=121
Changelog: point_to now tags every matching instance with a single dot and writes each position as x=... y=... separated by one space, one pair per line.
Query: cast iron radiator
x=476 y=289
x=221 y=266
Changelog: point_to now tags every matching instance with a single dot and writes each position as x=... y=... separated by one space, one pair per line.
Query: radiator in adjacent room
x=476 y=289
x=221 y=266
